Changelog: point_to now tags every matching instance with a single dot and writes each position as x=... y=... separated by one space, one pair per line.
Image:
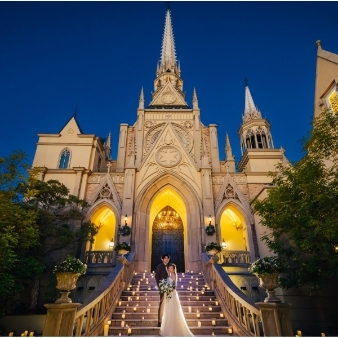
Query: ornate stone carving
x=187 y=124
x=105 y=193
x=152 y=136
x=230 y=193
x=184 y=136
x=168 y=156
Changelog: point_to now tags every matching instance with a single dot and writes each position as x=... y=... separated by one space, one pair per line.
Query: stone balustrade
x=242 y=313
x=229 y=257
x=100 y=257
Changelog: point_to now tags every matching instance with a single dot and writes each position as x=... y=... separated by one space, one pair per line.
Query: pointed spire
x=250 y=110
x=141 y=100
x=107 y=146
x=194 y=100
x=168 y=53
x=228 y=149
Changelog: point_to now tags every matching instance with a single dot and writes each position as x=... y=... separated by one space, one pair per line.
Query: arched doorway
x=168 y=238
x=105 y=218
x=233 y=229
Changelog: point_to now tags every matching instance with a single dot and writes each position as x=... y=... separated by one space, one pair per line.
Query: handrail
x=99 y=306
x=101 y=257
x=242 y=313
x=235 y=257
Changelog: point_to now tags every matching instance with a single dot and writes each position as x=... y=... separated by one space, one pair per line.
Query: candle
x=190 y=282
x=221 y=315
x=122 y=323
x=299 y=333
x=197 y=298
x=183 y=275
x=180 y=279
x=197 y=289
x=134 y=308
x=192 y=271
x=200 y=273
x=11 y=334
x=123 y=315
x=129 y=299
x=128 y=289
x=142 y=317
x=127 y=304
x=189 y=309
x=31 y=334
x=133 y=293
x=137 y=298
x=199 y=324
x=216 y=303
x=108 y=322
x=149 y=288
x=129 y=331
x=135 y=273
x=212 y=333
x=181 y=286
x=26 y=333
x=148 y=310
x=119 y=333
x=322 y=334
x=198 y=315
x=147 y=282
x=203 y=304
x=213 y=322
x=145 y=270
x=146 y=294
x=196 y=283
x=196 y=278
x=210 y=299
x=105 y=330
x=146 y=299
x=210 y=308
x=192 y=277
x=230 y=330
x=138 y=282
x=202 y=292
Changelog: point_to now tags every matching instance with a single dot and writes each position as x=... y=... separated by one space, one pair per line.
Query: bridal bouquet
x=166 y=287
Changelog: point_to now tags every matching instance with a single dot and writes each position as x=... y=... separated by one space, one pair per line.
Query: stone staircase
x=136 y=311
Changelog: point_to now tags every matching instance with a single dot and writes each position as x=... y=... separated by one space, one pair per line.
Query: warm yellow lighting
x=209 y=219
x=111 y=244
x=223 y=244
x=125 y=219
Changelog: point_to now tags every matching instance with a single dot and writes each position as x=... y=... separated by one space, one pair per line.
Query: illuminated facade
x=168 y=177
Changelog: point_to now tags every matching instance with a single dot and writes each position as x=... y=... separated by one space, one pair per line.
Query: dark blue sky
x=100 y=54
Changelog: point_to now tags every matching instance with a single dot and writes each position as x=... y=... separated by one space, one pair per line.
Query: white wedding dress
x=173 y=320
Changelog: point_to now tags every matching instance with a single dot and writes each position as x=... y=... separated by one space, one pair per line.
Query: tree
x=301 y=210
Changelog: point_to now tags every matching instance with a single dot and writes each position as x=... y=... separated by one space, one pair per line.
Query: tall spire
x=168 y=53
x=250 y=110
x=141 y=100
x=194 y=100
x=228 y=149
x=107 y=146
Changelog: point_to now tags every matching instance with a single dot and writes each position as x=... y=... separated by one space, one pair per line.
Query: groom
x=161 y=272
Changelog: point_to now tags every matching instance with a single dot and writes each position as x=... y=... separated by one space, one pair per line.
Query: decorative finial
x=168 y=5
x=246 y=82
x=318 y=43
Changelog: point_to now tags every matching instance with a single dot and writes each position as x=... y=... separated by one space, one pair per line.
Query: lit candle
x=196 y=283
x=213 y=322
x=230 y=330
x=26 y=333
x=122 y=323
x=108 y=322
x=198 y=315
x=127 y=304
x=133 y=293
x=210 y=308
x=183 y=275
x=203 y=304
x=213 y=334
x=149 y=288
x=105 y=330
x=322 y=334
x=181 y=286
x=190 y=282
x=138 y=282
x=134 y=308
x=31 y=334
x=123 y=315
x=188 y=288
x=199 y=324
x=137 y=298
x=189 y=309
x=135 y=273
x=11 y=334
x=129 y=298
x=197 y=289
x=119 y=333
x=145 y=294
x=192 y=277
x=216 y=303
x=147 y=282
x=197 y=298
x=129 y=331
x=145 y=270
x=299 y=333
x=192 y=271
x=200 y=273
x=148 y=310
x=142 y=317
x=146 y=299
x=128 y=289
x=202 y=292
x=210 y=299
x=180 y=279
x=221 y=315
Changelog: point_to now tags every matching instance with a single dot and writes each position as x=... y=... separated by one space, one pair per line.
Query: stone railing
x=100 y=257
x=235 y=257
x=89 y=319
x=243 y=315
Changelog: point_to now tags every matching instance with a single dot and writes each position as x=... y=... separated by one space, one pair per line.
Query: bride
x=173 y=321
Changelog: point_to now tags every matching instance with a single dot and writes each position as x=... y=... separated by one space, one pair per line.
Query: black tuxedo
x=161 y=273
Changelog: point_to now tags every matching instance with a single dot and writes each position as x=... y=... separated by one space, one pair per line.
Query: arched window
x=64 y=159
x=250 y=139
x=261 y=138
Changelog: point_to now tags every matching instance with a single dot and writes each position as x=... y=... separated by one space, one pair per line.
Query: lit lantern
x=122 y=323
x=213 y=322
x=129 y=332
x=210 y=308
x=123 y=315
x=199 y=324
x=221 y=315
x=198 y=315
x=189 y=309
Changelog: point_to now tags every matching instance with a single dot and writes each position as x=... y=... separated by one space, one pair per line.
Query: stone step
x=154 y=331
x=144 y=309
x=153 y=315
x=192 y=322
x=183 y=292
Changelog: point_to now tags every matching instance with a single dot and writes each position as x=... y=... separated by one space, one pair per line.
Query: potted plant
x=213 y=248
x=67 y=272
x=122 y=248
x=267 y=269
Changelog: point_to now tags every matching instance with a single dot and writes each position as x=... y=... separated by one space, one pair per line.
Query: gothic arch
x=143 y=203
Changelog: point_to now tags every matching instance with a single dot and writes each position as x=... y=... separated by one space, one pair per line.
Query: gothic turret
x=255 y=131
x=230 y=159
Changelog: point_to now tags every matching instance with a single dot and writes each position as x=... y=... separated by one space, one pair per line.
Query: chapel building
x=168 y=182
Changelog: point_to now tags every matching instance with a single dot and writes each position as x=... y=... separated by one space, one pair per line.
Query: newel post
x=276 y=319
x=60 y=319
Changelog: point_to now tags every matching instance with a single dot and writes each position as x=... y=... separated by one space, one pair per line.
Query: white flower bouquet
x=71 y=264
x=166 y=287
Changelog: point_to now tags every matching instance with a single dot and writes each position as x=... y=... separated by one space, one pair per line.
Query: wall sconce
x=111 y=244
x=223 y=244
x=125 y=219
x=209 y=219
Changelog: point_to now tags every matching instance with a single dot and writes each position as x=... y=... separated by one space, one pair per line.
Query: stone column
x=60 y=319
x=121 y=153
x=276 y=319
x=79 y=171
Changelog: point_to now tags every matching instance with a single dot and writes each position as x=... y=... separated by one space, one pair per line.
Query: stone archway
x=142 y=221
